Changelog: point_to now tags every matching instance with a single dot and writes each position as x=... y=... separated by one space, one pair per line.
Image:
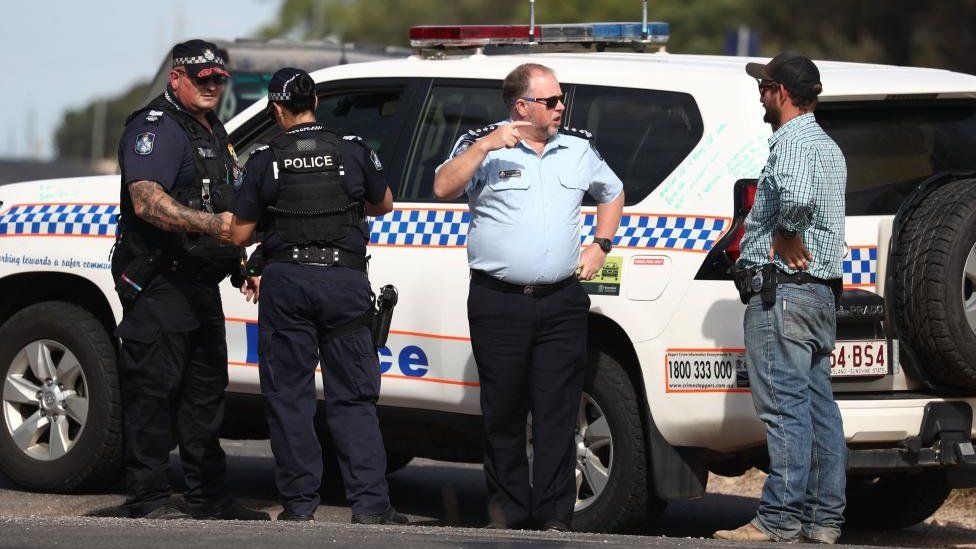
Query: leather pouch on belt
x=136 y=276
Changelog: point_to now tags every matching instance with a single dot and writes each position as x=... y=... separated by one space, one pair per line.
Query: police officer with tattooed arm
x=310 y=192
x=178 y=177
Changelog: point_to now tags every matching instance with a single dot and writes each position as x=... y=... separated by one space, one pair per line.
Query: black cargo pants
x=173 y=373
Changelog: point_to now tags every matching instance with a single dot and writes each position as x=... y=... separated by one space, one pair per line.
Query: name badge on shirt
x=505 y=174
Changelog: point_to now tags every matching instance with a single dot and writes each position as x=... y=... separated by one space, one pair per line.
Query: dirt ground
x=953 y=525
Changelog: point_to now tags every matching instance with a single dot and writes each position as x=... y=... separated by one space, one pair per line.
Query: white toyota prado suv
x=667 y=396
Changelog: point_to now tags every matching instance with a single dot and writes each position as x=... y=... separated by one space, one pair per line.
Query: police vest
x=313 y=206
x=212 y=189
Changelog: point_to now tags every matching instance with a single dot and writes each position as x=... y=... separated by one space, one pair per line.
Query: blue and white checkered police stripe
x=659 y=231
x=450 y=228
x=861 y=266
x=436 y=228
x=59 y=219
x=421 y=228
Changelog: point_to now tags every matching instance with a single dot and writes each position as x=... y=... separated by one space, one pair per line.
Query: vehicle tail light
x=744 y=198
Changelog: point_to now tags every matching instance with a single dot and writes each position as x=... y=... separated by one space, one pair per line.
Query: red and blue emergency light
x=583 y=33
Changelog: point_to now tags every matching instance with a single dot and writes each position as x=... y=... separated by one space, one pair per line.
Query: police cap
x=289 y=84
x=200 y=58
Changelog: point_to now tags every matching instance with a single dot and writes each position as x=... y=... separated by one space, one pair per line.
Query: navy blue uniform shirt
x=363 y=180
x=157 y=151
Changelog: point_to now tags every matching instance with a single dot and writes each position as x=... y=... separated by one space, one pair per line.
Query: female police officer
x=310 y=190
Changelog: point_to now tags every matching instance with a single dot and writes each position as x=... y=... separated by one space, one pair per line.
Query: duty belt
x=484 y=279
x=315 y=255
x=763 y=280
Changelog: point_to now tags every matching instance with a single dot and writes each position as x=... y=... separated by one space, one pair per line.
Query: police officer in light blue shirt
x=525 y=179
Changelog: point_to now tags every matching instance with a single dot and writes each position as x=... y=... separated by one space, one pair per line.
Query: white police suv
x=667 y=397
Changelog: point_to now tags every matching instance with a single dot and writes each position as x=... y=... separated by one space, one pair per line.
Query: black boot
x=389 y=517
x=233 y=511
x=292 y=517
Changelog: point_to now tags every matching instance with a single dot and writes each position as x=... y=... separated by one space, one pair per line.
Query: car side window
x=450 y=110
x=643 y=134
x=368 y=113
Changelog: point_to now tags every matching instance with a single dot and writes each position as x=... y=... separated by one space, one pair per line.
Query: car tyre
x=88 y=449
x=627 y=502
x=934 y=269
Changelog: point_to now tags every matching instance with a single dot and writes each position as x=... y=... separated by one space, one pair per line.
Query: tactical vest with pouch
x=313 y=208
x=212 y=190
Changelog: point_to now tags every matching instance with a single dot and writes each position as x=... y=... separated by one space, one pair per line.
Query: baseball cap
x=795 y=71
x=200 y=58
x=290 y=83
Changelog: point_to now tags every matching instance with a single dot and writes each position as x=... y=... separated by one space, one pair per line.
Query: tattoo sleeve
x=155 y=206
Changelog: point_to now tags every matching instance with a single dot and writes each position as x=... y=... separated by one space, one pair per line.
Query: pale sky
x=60 y=54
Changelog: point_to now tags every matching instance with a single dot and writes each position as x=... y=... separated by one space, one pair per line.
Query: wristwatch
x=605 y=244
x=787 y=234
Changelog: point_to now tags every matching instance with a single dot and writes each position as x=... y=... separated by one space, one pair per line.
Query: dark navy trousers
x=299 y=305
x=173 y=374
x=531 y=357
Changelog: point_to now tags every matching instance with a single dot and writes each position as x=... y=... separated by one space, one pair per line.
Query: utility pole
x=31 y=137
x=98 y=131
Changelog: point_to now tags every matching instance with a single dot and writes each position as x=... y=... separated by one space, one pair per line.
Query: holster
x=756 y=280
x=383 y=316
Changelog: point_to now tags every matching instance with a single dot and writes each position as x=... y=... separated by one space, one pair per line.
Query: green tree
x=73 y=137
x=697 y=25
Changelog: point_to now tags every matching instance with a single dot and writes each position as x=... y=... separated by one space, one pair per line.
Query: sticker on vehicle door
x=607 y=280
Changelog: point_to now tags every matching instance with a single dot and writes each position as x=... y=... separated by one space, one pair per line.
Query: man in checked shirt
x=788 y=274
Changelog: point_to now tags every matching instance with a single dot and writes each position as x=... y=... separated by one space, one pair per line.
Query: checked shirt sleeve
x=794 y=179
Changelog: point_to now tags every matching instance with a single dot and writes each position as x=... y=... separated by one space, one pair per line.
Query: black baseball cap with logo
x=200 y=58
x=290 y=83
x=794 y=71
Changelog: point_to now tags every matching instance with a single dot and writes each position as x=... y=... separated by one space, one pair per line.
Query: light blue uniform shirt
x=525 y=208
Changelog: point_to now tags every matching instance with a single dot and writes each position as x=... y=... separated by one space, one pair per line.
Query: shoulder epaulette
x=355 y=139
x=153 y=117
x=481 y=132
x=581 y=133
x=261 y=148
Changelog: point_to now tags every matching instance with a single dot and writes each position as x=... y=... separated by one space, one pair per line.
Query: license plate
x=860 y=358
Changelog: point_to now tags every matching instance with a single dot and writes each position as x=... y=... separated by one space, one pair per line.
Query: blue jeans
x=788 y=348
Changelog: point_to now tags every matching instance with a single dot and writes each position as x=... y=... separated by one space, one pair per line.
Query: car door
x=421 y=246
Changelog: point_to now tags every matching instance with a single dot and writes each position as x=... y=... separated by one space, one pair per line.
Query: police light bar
x=468 y=35
x=583 y=33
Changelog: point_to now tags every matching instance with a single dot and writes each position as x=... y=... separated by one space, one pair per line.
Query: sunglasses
x=549 y=102
x=766 y=85
x=217 y=79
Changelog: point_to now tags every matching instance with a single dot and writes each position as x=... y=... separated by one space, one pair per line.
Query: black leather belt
x=484 y=279
x=782 y=277
x=315 y=255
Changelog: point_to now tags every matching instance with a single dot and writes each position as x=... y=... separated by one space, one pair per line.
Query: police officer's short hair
x=517 y=81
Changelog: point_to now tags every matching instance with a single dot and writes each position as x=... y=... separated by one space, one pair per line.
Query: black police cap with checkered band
x=200 y=58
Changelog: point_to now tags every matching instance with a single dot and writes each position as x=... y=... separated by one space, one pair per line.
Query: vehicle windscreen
x=243 y=89
x=891 y=148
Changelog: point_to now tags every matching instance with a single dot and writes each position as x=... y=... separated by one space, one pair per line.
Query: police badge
x=144 y=143
x=208 y=55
